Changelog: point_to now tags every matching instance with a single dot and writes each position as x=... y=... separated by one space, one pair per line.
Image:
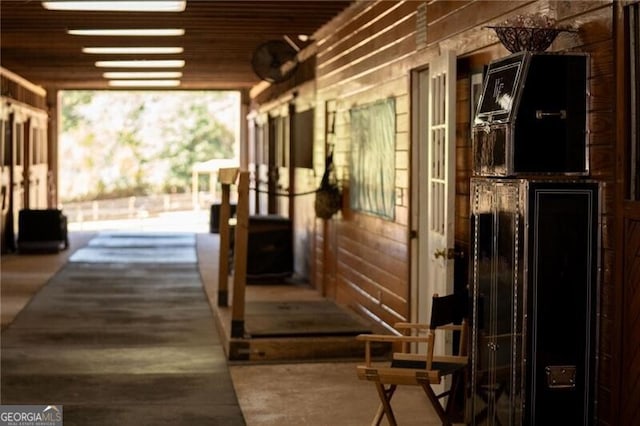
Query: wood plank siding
x=623 y=318
x=14 y=87
x=294 y=186
x=368 y=54
x=631 y=346
x=26 y=166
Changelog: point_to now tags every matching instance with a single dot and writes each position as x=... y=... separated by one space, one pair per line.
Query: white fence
x=134 y=207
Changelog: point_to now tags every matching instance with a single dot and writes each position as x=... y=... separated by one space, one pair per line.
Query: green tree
x=134 y=142
x=130 y=146
x=196 y=137
x=72 y=103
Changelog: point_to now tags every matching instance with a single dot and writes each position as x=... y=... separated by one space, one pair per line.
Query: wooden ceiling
x=219 y=39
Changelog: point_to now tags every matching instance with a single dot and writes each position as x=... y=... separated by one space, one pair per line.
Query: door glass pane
x=18 y=143
x=6 y=143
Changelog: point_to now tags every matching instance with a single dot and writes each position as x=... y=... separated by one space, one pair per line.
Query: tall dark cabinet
x=535 y=246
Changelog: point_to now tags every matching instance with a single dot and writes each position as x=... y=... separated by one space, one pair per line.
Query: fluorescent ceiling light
x=144 y=83
x=118 y=5
x=132 y=50
x=141 y=74
x=129 y=32
x=171 y=63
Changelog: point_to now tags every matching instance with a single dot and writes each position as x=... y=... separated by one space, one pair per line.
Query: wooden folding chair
x=420 y=367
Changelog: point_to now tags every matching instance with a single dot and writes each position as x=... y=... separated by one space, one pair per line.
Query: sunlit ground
x=181 y=221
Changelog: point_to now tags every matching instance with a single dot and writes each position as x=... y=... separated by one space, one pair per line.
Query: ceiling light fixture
x=170 y=63
x=144 y=83
x=117 y=6
x=129 y=32
x=141 y=74
x=132 y=50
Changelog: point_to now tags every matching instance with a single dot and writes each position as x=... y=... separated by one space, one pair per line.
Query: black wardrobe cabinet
x=534 y=287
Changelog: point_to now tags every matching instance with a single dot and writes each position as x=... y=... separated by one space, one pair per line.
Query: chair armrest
x=421 y=326
x=411 y=326
x=453 y=327
x=450 y=359
x=388 y=338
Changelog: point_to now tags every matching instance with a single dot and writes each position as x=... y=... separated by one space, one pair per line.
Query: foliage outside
x=116 y=144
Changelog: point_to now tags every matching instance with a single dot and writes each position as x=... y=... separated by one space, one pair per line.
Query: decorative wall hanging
x=372 y=159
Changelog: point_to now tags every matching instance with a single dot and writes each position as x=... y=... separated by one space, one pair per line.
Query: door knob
x=448 y=253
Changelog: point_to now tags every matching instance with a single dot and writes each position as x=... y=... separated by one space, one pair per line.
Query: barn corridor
x=108 y=363
x=122 y=334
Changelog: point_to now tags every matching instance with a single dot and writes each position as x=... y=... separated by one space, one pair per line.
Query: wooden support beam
x=38 y=90
x=223 y=261
x=240 y=256
x=226 y=176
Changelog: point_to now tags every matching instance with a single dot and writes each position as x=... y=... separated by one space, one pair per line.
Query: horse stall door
x=16 y=195
x=5 y=181
x=37 y=163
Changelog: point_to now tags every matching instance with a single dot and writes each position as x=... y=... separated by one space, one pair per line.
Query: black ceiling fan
x=275 y=61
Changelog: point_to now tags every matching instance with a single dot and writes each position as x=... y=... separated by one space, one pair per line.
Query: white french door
x=433 y=185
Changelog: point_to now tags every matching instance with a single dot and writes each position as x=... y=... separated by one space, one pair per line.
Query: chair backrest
x=450 y=309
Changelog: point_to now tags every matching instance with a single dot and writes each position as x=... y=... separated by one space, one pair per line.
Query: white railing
x=134 y=207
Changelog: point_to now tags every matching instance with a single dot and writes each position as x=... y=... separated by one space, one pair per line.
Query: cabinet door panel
x=563 y=267
x=497 y=340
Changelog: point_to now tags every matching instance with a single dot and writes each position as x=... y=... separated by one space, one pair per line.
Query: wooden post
x=226 y=177
x=240 y=256
x=195 y=190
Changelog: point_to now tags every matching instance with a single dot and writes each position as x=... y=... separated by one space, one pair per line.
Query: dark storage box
x=269 y=246
x=42 y=231
x=531 y=117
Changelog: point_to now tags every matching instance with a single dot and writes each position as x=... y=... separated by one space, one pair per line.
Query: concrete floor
x=309 y=393
x=124 y=338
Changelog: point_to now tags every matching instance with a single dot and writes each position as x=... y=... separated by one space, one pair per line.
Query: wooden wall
x=626 y=301
x=25 y=153
x=367 y=54
x=284 y=100
x=360 y=62
x=15 y=87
